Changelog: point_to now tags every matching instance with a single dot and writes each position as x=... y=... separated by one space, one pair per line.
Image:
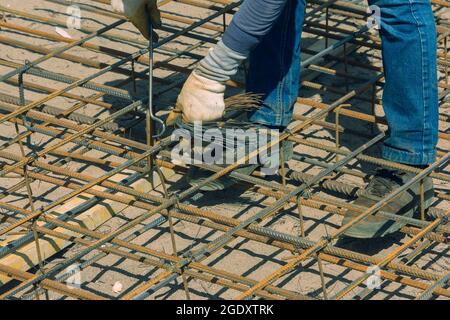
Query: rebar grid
x=81 y=138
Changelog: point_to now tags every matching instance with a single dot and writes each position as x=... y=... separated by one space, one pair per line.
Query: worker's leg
x=410 y=102
x=410 y=98
x=274 y=67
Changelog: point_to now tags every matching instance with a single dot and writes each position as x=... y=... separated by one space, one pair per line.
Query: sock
x=220 y=63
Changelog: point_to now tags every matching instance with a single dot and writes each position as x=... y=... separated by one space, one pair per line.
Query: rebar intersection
x=82 y=142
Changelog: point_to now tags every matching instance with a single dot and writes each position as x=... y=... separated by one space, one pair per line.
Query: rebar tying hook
x=150 y=84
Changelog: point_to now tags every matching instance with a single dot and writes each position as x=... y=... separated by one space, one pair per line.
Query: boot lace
x=383 y=182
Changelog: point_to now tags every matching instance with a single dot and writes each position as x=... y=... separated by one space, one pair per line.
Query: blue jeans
x=410 y=98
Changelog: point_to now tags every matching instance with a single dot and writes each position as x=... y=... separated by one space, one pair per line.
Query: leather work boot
x=197 y=175
x=406 y=204
x=250 y=137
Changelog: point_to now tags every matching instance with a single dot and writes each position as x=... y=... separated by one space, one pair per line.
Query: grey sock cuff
x=220 y=63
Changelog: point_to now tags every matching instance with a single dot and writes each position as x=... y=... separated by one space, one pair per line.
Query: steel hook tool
x=150 y=84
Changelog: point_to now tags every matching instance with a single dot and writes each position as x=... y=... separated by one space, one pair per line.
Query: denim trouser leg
x=410 y=98
x=274 y=67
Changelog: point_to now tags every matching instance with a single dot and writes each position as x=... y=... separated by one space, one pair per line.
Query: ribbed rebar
x=72 y=128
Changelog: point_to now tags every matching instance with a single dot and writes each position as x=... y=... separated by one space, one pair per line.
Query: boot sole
x=367 y=230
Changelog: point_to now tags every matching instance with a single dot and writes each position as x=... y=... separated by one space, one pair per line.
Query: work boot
x=268 y=162
x=197 y=175
x=406 y=204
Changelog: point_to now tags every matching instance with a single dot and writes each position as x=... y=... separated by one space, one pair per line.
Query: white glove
x=200 y=99
x=140 y=13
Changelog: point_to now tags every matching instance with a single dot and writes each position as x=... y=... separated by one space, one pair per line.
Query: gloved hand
x=140 y=13
x=200 y=99
x=202 y=96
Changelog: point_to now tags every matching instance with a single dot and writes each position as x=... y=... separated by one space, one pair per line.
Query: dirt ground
x=244 y=257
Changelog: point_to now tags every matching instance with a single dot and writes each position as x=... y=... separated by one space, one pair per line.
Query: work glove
x=200 y=99
x=140 y=13
x=202 y=96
